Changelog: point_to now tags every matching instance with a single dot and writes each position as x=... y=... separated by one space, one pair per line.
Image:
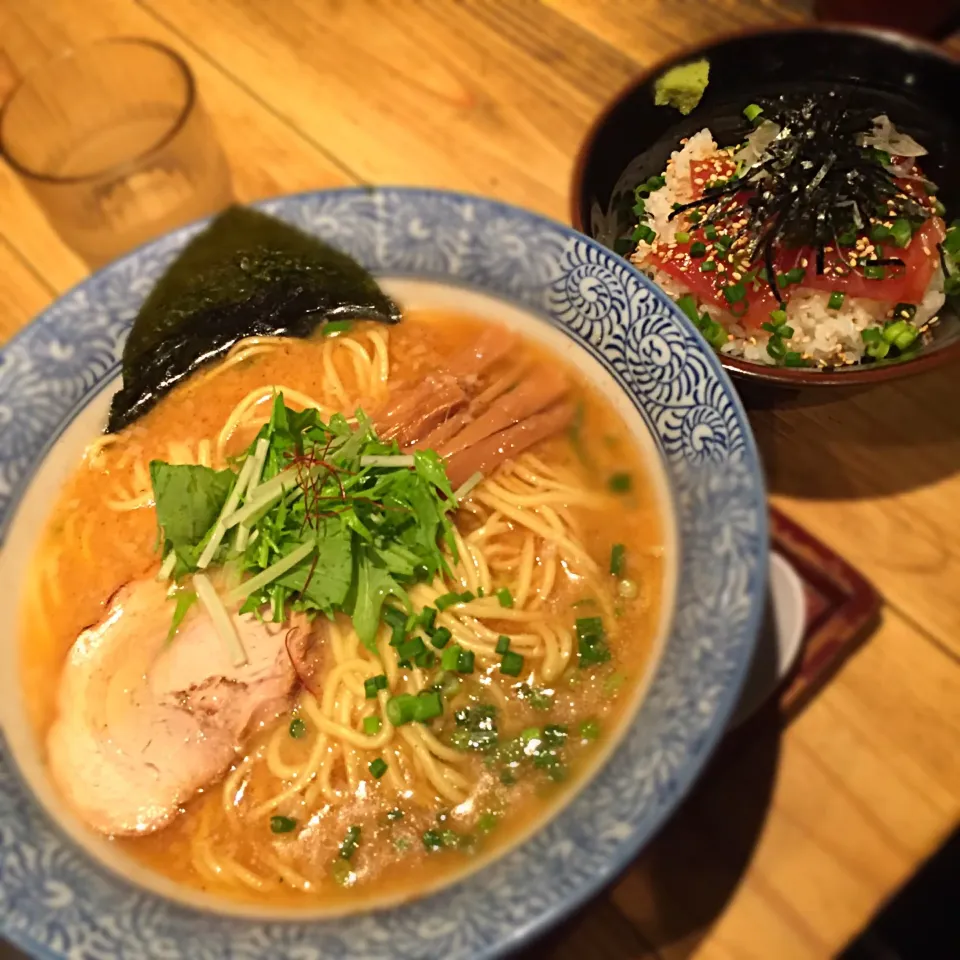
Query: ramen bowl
x=66 y=892
x=913 y=81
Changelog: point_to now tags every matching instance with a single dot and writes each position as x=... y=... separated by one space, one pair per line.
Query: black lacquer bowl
x=915 y=83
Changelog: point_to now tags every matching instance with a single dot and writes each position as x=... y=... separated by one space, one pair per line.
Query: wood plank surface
x=23 y=294
x=789 y=844
x=866 y=784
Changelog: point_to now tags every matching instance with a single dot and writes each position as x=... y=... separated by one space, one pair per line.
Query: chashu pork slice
x=144 y=724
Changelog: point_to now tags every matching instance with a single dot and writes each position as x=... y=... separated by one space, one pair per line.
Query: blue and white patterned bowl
x=59 y=900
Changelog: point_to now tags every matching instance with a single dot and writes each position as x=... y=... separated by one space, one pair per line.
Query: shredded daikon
x=220 y=530
x=222 y=621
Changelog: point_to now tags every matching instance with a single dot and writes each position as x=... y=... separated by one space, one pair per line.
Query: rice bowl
x=808 y=325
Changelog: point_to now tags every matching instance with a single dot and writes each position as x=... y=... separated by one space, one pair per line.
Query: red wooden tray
x=842 y=610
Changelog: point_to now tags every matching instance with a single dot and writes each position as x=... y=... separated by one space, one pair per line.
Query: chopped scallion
x=617 y=556
x=298 y=728
x=282 y=824
x=401 y=709
x=429 y=704
x=505 y=597
x=620 y=482
x=411 y=648
x=734 y=293
x=901 y=231
x=451 y=658
x=350 y=843
x=775 y=348
x=372 y=725
x=689 y=306
x=503 y=644
x=377 y=767
x=591 y=641
x=432 y=840
x=906 y=338
x=590 y=729
x=511 y=664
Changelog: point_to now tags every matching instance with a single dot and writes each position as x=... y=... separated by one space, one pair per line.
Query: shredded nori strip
x=813 y=183
x=246 y=275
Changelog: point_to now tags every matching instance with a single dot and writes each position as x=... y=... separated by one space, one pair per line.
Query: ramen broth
x=103 y=533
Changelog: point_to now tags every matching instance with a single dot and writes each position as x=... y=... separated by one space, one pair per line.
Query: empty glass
x=112 y=142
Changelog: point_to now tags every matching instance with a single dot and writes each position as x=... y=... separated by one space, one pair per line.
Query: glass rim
x=120 y=166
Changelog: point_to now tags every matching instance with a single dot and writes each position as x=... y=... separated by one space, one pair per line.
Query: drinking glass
x=112 y=142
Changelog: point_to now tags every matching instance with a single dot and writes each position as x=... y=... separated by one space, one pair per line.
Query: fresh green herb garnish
x=591 y=642
x=589 y=729
x=372 y=685
x=450 y=599
x=336 y=326
x=487 y=821
x=512 y=664
x=282 y=824
x=617 y=558
x=620 y=482
x=189 y=499
x=450 y=658
x=372 y=725
x=465 y=661
x=378 y=767
x=537 y=698
x=401 y=709
x=505 y=597
x=432 y=840
x=350 y=843
x=298 y=728
x=476 y=729
x=185 y=600
x=336 y=521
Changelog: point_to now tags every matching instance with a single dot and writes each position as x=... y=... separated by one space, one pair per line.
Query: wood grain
x=867 y=782
x=787 y=846
x=875 y=476
x=490 y=97
x=22 y=293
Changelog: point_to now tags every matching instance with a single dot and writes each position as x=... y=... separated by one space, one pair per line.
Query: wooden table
x=786 y=849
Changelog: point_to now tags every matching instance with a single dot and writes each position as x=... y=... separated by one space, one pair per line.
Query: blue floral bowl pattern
x=55 y=901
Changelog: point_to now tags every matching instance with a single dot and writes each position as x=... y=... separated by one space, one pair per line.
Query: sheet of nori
x=246 y=275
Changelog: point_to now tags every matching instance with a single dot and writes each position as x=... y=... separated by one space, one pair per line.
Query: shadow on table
x=874 y=442
x=666 y=901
